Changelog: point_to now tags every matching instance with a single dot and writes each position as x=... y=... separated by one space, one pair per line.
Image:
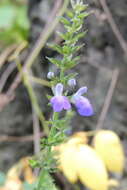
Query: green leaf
x=2 y=178
x=63 y=36
x=54 y=61
x=83 y=15
x=7 y=16
x=45 y=181
x=72 y=63
x=78 y=36
x=66 y=49
x=76 y=48
x=56 y=47
x=22 y=19
x=80 y=7
x=70 y=14
x=48 y=96
x=70 y=76
x=65 y=21
x=27 y=186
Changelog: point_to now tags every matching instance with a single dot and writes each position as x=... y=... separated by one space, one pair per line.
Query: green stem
x=35 y=103
x=40 y=81
x=53 y=128
x=32 y=96
x=55 y=116
x=61 y=74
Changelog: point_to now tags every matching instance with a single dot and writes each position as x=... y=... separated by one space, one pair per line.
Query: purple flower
x=59 y=102
x=82 y=104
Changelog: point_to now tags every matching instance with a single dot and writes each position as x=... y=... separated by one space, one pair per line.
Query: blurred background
x=102 y=68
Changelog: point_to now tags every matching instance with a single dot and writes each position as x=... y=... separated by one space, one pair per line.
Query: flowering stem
x=61 y=74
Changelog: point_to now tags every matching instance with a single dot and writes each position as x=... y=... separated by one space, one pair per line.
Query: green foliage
x=2 y=178
x=73 y=23
x=14 y=25
x=45 y=182
x=27 y=186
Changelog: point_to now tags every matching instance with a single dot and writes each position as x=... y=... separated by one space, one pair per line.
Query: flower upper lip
x=82 y=103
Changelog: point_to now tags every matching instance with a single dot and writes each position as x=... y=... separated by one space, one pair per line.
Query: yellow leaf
x=13 y=185
x=78 y=138
x=91 y=169
x=109 y=147
x=68 y=164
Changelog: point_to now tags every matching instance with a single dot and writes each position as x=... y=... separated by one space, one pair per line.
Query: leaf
x=71 y=75
x=65 y=21
x=66 y=49
x=83 y=15
x=7 y=16
x=72 y=63
x=21 y=18
x=56 y=47
x=78 y=36
x=63 y=36
x=45 y=182
x=70 y=14
x=27 y=186
x=54 y=61
x=13 y=23
x=76 y=48
x=2 y=178
x=80 y=7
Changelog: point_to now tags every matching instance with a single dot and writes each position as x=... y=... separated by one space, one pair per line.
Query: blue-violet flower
x=71 y=82
x=59 y=102
x=82 y=104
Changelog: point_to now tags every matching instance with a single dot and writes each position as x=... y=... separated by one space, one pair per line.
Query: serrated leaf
x=72 y=63
x=66 y=36
x=78 y=36
x=80 y=7
x=76 y=48
x=83 y=15
x=56 y=47
x=46 y=182
x=66 y=49
x=65 y=21
x=70 y=14
x=77 y=58
x=54 y=61
x=63 y=36
x=70 y=76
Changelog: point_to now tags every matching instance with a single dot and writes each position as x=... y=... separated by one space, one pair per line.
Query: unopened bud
x=72 y=82
x=50 y=75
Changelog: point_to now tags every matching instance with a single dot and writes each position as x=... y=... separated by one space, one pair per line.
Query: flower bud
x=72 y=82
x=50 y=75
